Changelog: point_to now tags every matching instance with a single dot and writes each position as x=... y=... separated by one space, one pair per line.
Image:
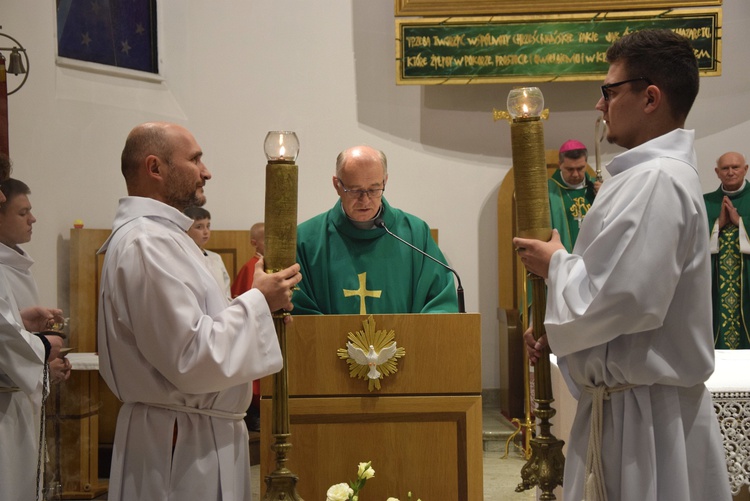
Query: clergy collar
x=364 y=225
x=727 y=192
x=366 y=231
x=578 y=186
x=558 y=179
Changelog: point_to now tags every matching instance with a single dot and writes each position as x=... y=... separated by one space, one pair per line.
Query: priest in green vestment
x=571 y=192
x=728 y=211
x=350 y=266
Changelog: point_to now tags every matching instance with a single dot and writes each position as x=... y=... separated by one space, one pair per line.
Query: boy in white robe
x=23 y=357
x=200 y=232
x=171 y=347
x=629 y=310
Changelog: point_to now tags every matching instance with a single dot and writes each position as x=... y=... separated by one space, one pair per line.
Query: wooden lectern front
x=422 y=430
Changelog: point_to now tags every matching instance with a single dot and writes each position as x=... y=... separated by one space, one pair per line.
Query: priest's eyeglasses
x=606 y=87
x=374 y=193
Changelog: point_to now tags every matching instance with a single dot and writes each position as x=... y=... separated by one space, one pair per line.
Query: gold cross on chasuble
x=362 y=292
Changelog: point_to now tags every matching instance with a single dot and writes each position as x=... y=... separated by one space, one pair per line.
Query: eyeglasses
x=374 y=193
x=606 y=87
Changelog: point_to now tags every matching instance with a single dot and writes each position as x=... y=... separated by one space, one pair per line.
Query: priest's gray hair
x=744 y=158
x=344 y=156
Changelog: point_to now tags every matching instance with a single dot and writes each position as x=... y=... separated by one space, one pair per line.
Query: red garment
x=243 y=283
x=244 y=280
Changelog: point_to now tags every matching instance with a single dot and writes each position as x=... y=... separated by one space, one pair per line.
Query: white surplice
x=17 y=268
x=219 y=271
x=22 y=358
x=632 y=305
x=169 y=337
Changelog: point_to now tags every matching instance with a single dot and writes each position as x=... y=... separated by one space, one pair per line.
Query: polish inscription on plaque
x=433 y=51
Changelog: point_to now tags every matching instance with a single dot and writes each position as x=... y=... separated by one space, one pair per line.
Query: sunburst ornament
x=371 y=354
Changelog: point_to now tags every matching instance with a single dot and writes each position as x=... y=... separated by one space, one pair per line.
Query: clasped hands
x=728 y=213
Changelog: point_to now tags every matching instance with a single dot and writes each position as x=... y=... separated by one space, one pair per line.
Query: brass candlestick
x=281 y=148
x=525 y=110
x=527 y=425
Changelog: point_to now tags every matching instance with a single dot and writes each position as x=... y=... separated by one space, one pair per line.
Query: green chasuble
x=730 y=274
x=568 y=207
x=348 y=270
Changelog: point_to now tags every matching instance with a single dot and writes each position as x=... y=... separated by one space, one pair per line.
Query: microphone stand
x=459 y=290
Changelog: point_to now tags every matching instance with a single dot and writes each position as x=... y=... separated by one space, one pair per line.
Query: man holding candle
x=171 y=347
x=628 y=313
x=353 y=267
x=728 y=211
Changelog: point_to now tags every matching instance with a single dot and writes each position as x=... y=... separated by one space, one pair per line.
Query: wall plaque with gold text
x=507 y=7
x=562 y=47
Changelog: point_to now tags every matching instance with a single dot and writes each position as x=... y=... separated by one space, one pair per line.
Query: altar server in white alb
x=16 y=223
x=629 y=310
x=23 y=358
x=171 y=347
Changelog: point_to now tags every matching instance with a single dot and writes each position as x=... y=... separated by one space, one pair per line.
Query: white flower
x=339 y=492
x=392 y=499
x=365 y=471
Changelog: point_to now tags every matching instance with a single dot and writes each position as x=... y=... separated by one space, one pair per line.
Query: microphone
x=459 y=290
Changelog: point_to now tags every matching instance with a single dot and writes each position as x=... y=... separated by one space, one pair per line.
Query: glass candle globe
x=525 y=102
x=281 y=145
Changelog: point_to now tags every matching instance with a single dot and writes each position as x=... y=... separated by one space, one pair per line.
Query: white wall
x=235 y=69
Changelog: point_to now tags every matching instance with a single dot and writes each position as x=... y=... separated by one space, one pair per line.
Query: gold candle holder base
x=546 y=465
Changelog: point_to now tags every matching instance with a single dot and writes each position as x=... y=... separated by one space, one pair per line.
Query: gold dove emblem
x=371 y=354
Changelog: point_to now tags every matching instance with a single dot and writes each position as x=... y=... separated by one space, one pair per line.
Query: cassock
x=568 y=206
x=631 y=306
x=730 y=270
x=22 y=360
x=17 y=269
x=349 y=270
x=244 y=280
x=180 y=358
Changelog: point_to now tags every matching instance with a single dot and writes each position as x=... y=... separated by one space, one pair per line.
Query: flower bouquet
x=350 y=491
